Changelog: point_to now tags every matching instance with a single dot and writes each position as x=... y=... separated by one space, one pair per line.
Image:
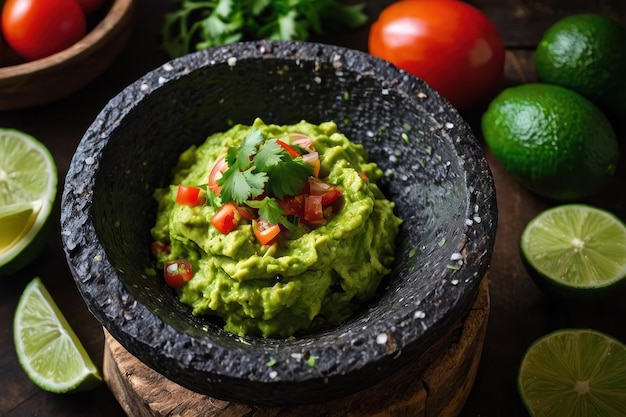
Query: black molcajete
x=438 y=178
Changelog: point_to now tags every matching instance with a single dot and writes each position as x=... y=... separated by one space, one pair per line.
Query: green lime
x=47 y=347
x=28 y=188
x=575 y=250
x=574 y=373
x=586 y=53
x=552 y=140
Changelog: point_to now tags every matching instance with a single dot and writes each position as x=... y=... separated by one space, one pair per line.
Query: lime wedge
x=28 y=188
x=575 y=373
x=575 y=250
x=47 y=347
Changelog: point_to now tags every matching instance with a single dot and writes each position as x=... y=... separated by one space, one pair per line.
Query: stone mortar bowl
x=441 y=184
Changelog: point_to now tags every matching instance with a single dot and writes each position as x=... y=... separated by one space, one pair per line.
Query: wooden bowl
x=59 y=75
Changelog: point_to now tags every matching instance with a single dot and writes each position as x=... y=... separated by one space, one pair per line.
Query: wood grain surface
x=435 y=385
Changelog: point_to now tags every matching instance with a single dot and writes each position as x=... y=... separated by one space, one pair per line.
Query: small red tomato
x=177 y=273
x=313 y=210
x=189 y=196
x=216 y=173
x=35 y=29
x=265 y=232
x=90 y=6
x=327 y=191
x=226 y=218
x=449 y=44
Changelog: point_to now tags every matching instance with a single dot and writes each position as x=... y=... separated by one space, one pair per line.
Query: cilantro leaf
x=272 y=211
x=239 y=158
x=289 y=177
x=285 y=175
x=199 y=24
x=239 y=186
x=269 y=154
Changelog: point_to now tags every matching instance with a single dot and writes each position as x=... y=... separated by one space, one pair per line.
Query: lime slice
x=575 y=373
x=47 y=347
x=575 y=250
x=28 y=188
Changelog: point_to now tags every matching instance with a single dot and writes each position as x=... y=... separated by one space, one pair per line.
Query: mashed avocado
x=313 y=279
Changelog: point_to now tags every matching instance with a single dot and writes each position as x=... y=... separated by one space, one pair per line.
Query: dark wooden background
x=519 y=314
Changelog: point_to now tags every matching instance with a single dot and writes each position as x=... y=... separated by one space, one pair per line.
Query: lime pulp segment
x=28 y=188
x=576 y=373
x=47 y=347
x=577 y=246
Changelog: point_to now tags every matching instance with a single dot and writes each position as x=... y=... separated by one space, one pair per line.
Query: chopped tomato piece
x=226 y=218
x=159 y=248
x=293 y=205
x=177 y=273
x=290 y=150
x=327 y=191
x=247 y=212
x=189 y=196
x=313 y=211
x=313 y=158
x=265 y=232
x=364 y=176
x=216 y=173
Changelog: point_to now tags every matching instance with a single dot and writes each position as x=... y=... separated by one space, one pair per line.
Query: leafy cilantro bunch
x=262 y=168
x=200 y=24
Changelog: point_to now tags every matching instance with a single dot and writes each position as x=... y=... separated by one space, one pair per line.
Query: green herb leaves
x=200 y=24
x=260 y=167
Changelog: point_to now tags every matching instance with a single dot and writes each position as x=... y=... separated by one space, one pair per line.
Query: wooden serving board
x=435 y=385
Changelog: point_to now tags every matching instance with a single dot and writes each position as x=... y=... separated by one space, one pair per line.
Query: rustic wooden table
x=519 y=312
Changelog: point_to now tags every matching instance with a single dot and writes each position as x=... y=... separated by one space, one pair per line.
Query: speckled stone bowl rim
x=390 y=349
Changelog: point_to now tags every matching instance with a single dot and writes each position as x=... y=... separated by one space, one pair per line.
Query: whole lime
x=586 y=53
x=552 y=140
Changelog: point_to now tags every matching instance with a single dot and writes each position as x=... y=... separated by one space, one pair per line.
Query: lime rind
x=574 y=372
x=28 y=177
x=577 y=247
x=47 y=348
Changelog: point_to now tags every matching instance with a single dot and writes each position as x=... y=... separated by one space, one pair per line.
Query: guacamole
x=311 y=276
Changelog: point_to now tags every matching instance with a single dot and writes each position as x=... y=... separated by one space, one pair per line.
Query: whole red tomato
x=449 y=44
x=90 y=6
x=35 y=29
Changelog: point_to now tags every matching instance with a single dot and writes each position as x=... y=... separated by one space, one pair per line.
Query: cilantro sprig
x=200 y=24
x=262 y=167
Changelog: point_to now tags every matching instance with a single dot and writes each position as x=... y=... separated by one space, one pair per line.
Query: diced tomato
x=293 y=205
x=313 y=158
x=159 y=248
x=313 y=211
x=247 y=212
x=327 y=191
x=177 y=273
x=265 y=232
x=216 y=173
x=189 y=195
x=290 y=150
x=302 y=141
x=226 y=219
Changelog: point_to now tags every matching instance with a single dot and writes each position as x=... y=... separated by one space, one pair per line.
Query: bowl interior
x=437 y=177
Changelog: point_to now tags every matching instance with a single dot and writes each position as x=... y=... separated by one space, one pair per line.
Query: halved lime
x=575 y=250
x=28 y=188
x=574 y=373
x=47 y=347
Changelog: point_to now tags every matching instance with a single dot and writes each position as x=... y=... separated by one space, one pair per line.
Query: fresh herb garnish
x=272 y=211
x=200 y=24
x=259 y=167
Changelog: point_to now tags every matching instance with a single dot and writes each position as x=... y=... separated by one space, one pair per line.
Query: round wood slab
x=436 y=385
